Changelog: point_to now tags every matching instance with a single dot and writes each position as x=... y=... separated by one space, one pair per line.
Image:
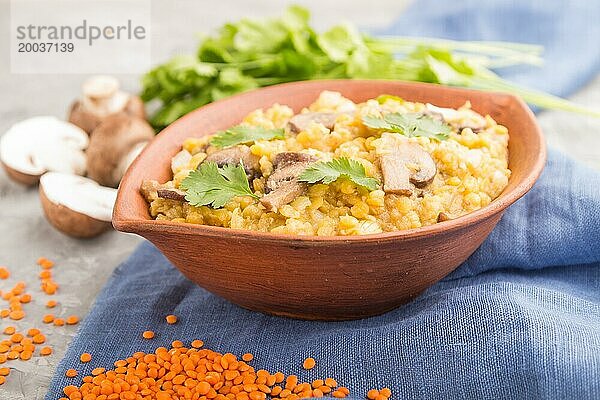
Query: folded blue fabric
x=519 y=319
x=529 y=327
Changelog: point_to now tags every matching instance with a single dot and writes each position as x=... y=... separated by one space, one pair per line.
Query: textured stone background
x=82 y=267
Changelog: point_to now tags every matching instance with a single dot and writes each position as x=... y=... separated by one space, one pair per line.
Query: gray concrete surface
x=82 y=267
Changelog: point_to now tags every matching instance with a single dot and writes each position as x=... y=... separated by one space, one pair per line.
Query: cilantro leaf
x=213 y=186
x=330 y=171
x=410 y=125
x=244 y=134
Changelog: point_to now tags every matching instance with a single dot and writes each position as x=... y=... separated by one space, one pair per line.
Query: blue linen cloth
x=519 y=319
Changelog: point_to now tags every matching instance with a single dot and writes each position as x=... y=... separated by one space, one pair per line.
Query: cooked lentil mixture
x=422 y=178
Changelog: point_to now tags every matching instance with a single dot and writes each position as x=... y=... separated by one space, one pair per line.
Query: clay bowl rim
x=123 y=220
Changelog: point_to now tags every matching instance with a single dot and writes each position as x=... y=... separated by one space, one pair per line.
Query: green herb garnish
x=244 y=134
x=251 y=53
x=330 y=171
x=410 y=125
x=213 y=186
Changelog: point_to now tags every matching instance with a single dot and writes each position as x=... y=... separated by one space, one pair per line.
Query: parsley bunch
x=253 y=53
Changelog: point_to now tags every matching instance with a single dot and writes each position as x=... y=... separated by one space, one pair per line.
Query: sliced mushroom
x=102 y=98
x=233 y=155
x=40 y=144
x=75 y=205
x=407 y=167
x=285 y=193
x=301 y=122
x=455 y=118
x=171 y=194
x=152 y=190
x=114 y=144
x=282 y=185
x=284 y=175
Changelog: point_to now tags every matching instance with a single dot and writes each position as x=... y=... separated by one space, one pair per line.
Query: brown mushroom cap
x=111 y=143
x=71 y=222
x=88 y=121
x=406 y=167
x=20 y=177
x=102 y=98
x=76 y=206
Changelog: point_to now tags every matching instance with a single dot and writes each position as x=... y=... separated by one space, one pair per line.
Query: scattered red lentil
x=33 y=331
x=45 y=263
x=197 y=344
x=191 y=373
x=9 y=330
x=148 y=334
x=48 y=318
x=16 y=338
x=16 y=315
x=85 y=357
x=72 y=320
x=51 y=303
x=59 y=322
x=4 y=273
x=39 y=338
x=248 y=357
x=71 y=373
x=25 y=298
x=309 y=363
x=171 y=319
x=45 y=274
x=45 y=351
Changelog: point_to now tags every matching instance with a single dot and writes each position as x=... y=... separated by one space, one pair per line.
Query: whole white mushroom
x=37 y=145
x=75 y=205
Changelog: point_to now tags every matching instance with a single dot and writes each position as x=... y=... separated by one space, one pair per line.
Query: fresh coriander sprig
x=213 y=186
x=410 y=125
x=330 y=171
x=244 y=134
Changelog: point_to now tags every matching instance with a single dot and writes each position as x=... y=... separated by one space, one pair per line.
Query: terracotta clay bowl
x=328 y=278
